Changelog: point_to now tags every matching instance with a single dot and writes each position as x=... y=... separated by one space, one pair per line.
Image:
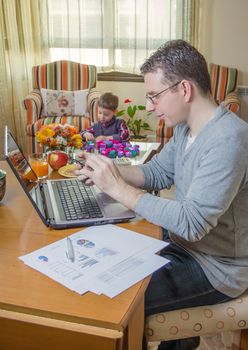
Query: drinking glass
x=39 y=164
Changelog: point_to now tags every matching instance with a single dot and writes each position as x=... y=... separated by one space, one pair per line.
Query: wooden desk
x=38 y=313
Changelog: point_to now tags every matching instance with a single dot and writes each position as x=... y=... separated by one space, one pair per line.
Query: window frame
x=120 y=76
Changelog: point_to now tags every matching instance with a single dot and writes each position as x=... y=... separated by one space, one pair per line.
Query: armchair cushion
x=60 y=103
x=197 y=321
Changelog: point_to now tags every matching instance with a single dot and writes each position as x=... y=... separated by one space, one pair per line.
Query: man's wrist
x=127 y=195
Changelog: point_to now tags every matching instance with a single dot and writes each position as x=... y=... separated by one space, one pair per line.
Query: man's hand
x=102 y=172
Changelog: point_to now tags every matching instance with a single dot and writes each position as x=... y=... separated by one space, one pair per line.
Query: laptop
x=63 y=203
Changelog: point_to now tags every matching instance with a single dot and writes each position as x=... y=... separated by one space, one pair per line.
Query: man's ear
x=186 y=90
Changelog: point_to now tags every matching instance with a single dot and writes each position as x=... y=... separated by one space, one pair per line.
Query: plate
x=68 y=170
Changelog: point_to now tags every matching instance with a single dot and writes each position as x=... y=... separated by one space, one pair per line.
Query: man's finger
x=82 y=154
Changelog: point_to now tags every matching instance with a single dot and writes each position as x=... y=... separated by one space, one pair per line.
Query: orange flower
x=53 y=143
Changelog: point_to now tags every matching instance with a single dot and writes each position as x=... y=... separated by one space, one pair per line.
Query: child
x=109 y=126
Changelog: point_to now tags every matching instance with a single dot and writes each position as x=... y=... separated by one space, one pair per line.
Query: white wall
x=133 y=91
x=224 y=34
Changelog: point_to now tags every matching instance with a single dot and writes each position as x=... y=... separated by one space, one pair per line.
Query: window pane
x=113 y=34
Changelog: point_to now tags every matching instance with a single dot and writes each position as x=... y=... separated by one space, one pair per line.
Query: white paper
x=123 y=275
x=99 y=251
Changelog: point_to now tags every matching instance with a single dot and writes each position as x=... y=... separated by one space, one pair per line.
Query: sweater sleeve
x=159 y=171
x=90 y=130
x=221 y=174
x=123 y=133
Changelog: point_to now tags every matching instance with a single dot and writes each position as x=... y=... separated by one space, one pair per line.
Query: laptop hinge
x=46 y=203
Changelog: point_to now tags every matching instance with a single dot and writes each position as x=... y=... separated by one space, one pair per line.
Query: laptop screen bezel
x=23 y=185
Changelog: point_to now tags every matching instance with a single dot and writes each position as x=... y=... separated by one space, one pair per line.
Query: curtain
x=117 y=35
x=23 y=43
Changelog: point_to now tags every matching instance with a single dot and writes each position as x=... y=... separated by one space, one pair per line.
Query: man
x=207 y=160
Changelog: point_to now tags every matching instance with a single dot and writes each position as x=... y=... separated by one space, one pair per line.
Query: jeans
x=179 y=284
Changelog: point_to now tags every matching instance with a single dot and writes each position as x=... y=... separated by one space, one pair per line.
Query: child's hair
x=109 y=101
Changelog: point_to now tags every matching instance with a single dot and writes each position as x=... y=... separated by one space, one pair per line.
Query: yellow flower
x=76 y=140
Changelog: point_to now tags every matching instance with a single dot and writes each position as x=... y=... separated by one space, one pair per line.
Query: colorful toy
x=113 y=148
x=88 y=146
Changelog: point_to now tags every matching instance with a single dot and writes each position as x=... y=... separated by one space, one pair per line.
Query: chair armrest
x=163 y=132
x=93 y=98
x=32 y=104
x=232 y=102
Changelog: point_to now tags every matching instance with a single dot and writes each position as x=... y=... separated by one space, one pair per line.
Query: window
x=115 y=35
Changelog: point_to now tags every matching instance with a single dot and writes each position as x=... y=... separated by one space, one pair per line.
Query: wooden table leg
x=136 y=327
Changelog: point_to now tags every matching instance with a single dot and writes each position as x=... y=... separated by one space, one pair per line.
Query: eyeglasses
x=153 y=99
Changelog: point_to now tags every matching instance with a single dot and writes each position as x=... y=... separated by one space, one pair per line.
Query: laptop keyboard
x=78 y=201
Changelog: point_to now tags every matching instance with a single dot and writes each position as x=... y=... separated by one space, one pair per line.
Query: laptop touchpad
x=105 y=199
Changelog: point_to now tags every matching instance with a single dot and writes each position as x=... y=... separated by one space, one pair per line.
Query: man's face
x=170 y=104
x=105 y=115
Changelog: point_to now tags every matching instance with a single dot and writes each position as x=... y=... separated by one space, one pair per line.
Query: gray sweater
x=209 y=216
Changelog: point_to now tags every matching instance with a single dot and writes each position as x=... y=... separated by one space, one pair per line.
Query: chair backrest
x=223 y=81
x=64 y=75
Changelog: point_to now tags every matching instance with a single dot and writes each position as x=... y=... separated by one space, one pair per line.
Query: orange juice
x=38 y=162
x=29 y=175
x=40 y=167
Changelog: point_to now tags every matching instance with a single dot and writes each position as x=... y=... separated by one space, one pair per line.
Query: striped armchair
x=223 y=83
x=59 y=75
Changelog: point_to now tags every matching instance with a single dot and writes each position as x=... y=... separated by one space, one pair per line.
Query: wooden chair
x=59 y=76
x=198 y=321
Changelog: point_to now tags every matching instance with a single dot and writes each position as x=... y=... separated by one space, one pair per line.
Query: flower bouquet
x=59 y=141
x=59 y=136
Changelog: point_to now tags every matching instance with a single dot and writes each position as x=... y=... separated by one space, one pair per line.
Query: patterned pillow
x=60 y=103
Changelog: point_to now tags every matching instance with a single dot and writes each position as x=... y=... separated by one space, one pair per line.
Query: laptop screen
x=24 y=173
x=19 y=163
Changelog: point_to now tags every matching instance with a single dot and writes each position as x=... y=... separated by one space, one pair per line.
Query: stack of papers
x=108 y=260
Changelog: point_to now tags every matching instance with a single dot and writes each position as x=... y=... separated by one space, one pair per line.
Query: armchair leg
x=153 y=345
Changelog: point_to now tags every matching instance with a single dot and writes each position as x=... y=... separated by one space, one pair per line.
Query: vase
x=69 y=150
